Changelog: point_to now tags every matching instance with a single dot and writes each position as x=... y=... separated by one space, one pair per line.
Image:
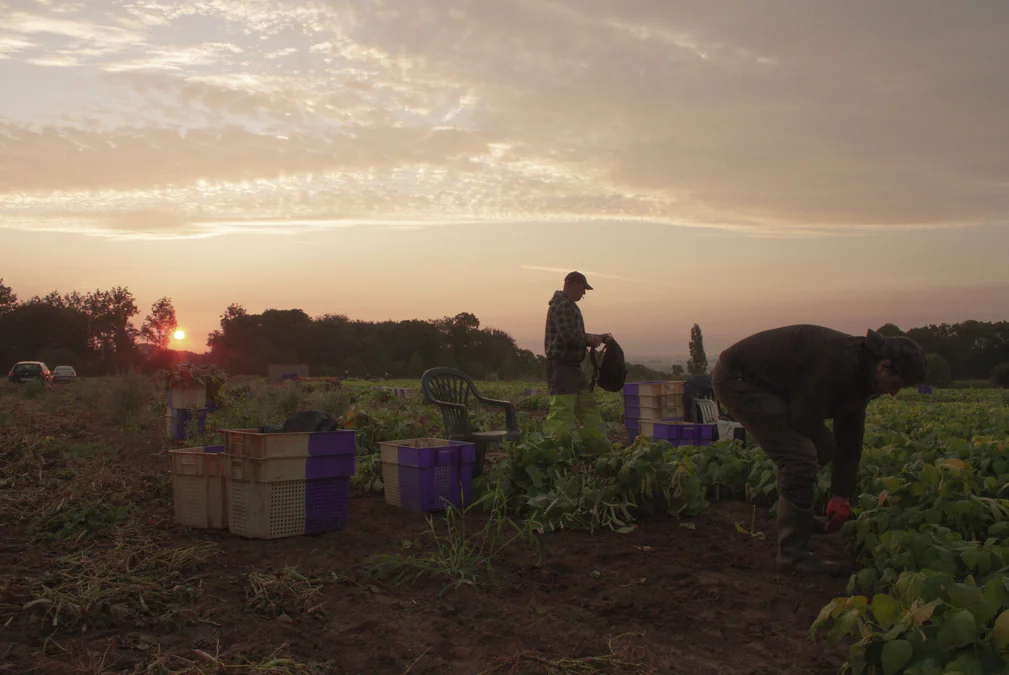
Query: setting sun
x=179 y=334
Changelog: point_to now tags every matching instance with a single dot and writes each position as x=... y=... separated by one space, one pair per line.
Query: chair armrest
x=511 y=423
x=456 y=406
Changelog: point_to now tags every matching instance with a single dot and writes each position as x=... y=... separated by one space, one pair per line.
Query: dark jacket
x=564 y=340
x=822 y=374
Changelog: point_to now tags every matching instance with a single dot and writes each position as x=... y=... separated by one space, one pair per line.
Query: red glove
x=838 y=510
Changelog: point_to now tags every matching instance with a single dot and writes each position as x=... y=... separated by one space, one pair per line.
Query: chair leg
x=480 y=452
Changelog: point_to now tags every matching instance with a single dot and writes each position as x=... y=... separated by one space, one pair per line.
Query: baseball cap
x=906 y=355
x=577 y=278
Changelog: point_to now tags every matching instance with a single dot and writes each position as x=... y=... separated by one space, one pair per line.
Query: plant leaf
x=896 y=655
x=1000 y=632
x=885 y=609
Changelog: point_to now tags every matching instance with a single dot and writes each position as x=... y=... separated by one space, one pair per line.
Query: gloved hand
x=838 y=511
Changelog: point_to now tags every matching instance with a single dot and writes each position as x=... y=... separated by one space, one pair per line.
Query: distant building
x=277 y=372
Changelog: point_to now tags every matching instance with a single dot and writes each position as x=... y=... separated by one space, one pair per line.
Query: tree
x=938 y=371
x=698 y=363
x=8 y=299
x=1000 y=375
x=678 y=370
x=415 y=366
x=159 y=325
x=34 y=329
x=110 y=313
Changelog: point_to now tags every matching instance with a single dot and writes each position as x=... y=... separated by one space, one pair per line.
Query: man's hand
x=594 y=340
x=838 y=511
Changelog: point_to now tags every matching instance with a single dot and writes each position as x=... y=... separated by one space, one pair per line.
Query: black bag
x=302 y=422
x=610 y=372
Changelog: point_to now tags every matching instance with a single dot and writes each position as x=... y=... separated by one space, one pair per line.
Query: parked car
x=64 y=374
x=25 y=371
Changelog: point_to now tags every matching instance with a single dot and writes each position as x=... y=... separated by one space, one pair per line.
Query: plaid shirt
x=565 y=331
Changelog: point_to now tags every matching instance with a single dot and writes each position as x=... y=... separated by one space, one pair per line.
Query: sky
x=738 y=165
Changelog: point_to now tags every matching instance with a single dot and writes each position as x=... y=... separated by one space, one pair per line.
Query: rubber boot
x=795 y=526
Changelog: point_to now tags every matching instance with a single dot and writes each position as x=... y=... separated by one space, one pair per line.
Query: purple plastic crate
x=631 y=423
x=330 y=466
x=683 y=432
x=429 y=478
x=179 y=419
x=924 y=389
x=327 y=503
x=337 y=442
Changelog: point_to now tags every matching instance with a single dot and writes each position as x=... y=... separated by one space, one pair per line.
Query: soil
x=694 y=596
x=702 y=601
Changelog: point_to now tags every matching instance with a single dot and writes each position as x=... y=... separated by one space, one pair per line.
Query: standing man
x=781 y=385
x=565 y=344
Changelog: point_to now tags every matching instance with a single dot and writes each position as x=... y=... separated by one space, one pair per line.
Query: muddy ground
x=695 y=596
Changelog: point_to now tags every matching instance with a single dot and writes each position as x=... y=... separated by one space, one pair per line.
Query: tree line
x=95 y=333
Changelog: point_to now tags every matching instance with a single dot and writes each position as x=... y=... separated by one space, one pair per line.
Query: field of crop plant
x=650 y=559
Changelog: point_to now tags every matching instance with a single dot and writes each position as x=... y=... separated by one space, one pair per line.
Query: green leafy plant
x=454 y=553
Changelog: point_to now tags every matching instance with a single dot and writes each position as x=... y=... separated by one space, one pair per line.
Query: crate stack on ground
x=656 y=410
x=427 y=474
x=265 y=485
x=651 y=401
x=288 y=484
x=184 y=405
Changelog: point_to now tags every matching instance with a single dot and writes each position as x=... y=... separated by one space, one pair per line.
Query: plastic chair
x=450 y=389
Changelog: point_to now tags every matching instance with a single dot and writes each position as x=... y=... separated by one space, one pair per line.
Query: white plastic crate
x=199 y=493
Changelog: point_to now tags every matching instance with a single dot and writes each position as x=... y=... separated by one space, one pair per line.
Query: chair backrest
x=449 y=385
x=708 y=410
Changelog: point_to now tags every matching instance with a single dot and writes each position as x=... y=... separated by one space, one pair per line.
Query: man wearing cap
x=565 y=344
x=781 y=385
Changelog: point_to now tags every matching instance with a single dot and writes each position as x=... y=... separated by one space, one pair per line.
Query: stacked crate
x=651 y=401
x=199 y=489
x=184 y=405
x=288 y=484
x=427 y=474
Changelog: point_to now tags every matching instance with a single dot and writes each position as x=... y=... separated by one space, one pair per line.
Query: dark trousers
x=765 y=416
x=565 y=378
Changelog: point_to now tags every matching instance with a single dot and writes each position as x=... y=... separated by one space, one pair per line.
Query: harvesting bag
x=610 y=372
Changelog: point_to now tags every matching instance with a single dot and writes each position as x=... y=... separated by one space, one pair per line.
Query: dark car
x=30 y=370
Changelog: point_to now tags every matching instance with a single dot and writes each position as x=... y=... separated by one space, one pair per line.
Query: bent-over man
x=781 y=385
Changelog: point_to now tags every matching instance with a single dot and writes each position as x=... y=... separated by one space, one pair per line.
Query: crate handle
x=236 y=468
x=188 y=466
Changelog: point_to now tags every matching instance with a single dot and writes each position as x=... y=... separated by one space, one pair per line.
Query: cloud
x=779 y=119
x=176 y=59
x=82 y=31
x=558 y=270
